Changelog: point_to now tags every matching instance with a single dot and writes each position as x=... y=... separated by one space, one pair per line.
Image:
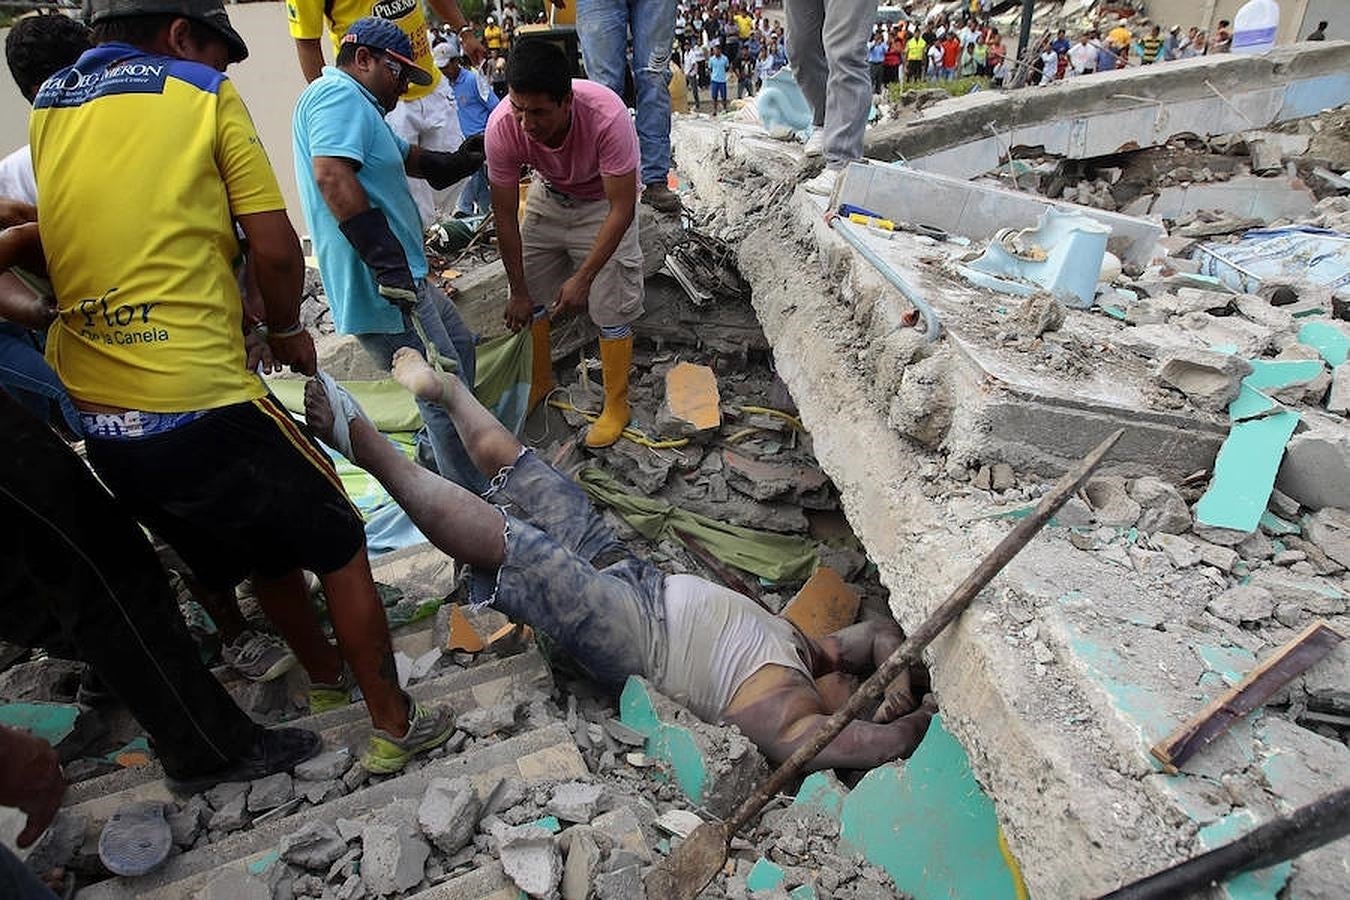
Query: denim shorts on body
x=567 y=575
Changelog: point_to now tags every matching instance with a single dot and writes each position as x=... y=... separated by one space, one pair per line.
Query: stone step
x=521 y=677
x=544 y=754
x=486 y=883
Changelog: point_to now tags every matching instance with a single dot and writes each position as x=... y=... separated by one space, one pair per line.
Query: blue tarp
x=1301 y=254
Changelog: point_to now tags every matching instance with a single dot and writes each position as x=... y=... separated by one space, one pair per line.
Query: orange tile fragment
x=824 y=604
x=692 y=395
x=463 y=636
x=132 y=759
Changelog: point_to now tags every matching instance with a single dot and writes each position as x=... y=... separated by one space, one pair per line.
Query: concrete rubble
x=902 y=461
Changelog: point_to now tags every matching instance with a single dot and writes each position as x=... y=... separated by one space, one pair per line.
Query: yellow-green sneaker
x=428 y=727
x=325 y=697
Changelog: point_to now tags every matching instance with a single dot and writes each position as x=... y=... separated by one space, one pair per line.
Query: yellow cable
x=631 y=434
x=777 y=414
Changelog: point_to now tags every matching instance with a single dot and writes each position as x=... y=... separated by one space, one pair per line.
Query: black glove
x=442 y=168
x=369 y=234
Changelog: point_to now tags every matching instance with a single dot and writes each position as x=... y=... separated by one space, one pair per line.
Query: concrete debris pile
x=1214 y=535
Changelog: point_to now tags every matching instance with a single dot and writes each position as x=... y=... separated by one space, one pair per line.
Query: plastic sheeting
x=1293 y=255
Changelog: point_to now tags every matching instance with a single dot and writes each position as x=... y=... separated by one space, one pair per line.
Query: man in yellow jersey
x=425 y=115
x=145 y=158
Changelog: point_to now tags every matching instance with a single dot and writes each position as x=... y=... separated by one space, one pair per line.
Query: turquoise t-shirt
x=337 y=116
x=717 y=66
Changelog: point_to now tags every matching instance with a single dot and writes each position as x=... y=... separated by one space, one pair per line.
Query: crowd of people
x=146 y=337
x=716 y=43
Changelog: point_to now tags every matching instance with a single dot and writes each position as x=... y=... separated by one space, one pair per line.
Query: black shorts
x=242 y=490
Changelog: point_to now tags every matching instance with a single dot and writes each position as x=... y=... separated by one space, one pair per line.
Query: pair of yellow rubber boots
x=616 y=359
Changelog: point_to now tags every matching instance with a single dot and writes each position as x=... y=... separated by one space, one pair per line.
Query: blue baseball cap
x=388 y=38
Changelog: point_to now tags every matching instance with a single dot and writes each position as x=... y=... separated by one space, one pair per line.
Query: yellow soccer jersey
x=306 y=18
x=142 y=164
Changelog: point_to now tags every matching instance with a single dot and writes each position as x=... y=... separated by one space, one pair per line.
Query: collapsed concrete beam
x=1129 y=109
x=978 y=211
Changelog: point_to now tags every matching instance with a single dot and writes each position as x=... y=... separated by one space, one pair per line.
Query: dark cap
x=210 y=13
x=388 y=38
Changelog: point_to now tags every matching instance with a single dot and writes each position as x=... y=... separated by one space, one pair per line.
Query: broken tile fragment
x=824 y=605
x=692 y=402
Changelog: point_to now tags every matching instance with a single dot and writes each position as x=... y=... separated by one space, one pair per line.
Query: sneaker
x=274 y=750
x=136 y=839
x=659 y=196
x=325 y=697
x=815 y=142
x=823 y=184
x=428 y=727
x=258 y=656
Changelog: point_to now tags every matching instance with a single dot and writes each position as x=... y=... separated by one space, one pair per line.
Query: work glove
x=442 y=168
x=369 y=234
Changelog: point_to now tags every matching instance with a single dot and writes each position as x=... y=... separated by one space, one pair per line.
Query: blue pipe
x=932 y=324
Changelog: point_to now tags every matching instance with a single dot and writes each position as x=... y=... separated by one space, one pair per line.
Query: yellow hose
x=631 y=434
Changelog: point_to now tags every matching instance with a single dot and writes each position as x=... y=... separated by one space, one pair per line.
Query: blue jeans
x=568 y=576
x=24 y=373
x=603 y=26
x=453 y=339
x=474 y=198
x=17 y=882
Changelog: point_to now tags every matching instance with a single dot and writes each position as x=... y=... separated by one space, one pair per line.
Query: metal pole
x=1024 y=40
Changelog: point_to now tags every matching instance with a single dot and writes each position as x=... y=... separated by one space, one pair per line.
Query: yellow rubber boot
x=616 y=358
x=541 y=370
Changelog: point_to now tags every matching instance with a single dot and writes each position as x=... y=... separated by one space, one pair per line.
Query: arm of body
x=30 y=780
x=859 y=649
x=506 y=213
x=278 y=266
x=442 y=168
x=450 y=12
x=310 y=54
x=365 y=228
x=621 y=192
x=786 y=717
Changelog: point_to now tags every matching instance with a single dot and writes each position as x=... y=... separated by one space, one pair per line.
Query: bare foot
x=318 y=412
x=413 y=372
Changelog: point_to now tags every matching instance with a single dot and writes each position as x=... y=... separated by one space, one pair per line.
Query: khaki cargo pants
x=557 y=235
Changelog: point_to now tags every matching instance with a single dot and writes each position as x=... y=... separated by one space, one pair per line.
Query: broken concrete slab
x=576 y=801
x=487 y=720
x=325 y=766
x=1087 y=117
x=715 y=765
x=581 y=867
x=692 y=403
x=1265 y=199
x=1111 y=503
x=824 y=605
x=47 y=680
x=1338 y=401
x=316 y=846
x=1244 y=603
x=1209 y=379
x=449 y=813
x=1163 y=508
x=805 y=485
x=977 y=211
x=531 y=858
x=544 y=754
x=1330 y=339
x=393 y=853
x=270 y=792
x=1316 y=467
x=1329 y=529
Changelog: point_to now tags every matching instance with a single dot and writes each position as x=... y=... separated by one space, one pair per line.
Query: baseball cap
x=210 y=13
x=446 y=50
x=388 y=38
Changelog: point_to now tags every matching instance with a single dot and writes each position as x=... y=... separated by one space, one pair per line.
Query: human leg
x=77 y=563
x=847 y=98
x=474 y=199
x=602 y=29
x=614 y=304
x=30 y=380
x=653 y=26
x=446 y=330
x=806 y=49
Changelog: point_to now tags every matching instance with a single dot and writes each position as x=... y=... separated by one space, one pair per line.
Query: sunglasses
x=401 y=75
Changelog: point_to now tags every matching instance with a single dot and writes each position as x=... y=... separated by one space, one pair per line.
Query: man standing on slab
x=603 y=26
x=578 y=246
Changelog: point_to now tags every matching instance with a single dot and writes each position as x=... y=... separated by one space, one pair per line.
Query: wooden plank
x=1260 y=684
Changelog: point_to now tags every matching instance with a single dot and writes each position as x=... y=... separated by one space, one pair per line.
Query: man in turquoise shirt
x=367 y=233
